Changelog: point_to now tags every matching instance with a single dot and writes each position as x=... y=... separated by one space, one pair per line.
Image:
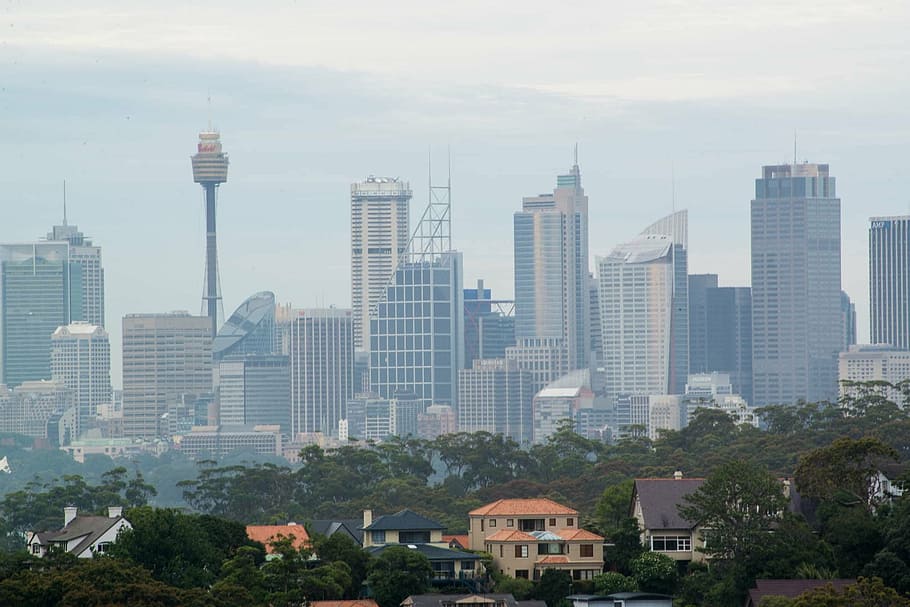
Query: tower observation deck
x=210 y=167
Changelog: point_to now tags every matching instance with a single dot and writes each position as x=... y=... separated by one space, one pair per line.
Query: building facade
x=889 y=281
x=495 y=396
x=165 y=356
x=81 y=359
x=88 y=256
x=551 y=271
x=322 y=369
x=699 y=285
x=379 y=235
x=796 y=284
x=489 y=325
x=255 y=390
x=874 y=363
x=728 y=334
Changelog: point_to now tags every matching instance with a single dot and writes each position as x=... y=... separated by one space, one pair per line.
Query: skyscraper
x=699 y=284
x=322 y=369
x=644 y=311
x=848 y=319
x=728 y=336
x=255 y=390
x=42 y=289
x=251 y=329
x=551 y=271
x=165 y=356
x=88 y=256
x=489 y=325
x=81 y=359
x=495 y=396
x=796 y=284
x=210 y=166
x=889 y=281
x=417 y=327
x=380 y=229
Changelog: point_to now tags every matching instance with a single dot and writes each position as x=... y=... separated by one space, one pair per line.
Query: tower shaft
x=212 y=294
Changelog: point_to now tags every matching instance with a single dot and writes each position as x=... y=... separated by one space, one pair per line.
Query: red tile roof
x=511 y=536
x=578 y=534
x=459 y=540
x=505 y=507
x=554 y=560
x=265 y=534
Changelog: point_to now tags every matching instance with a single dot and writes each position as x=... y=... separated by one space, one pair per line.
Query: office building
x=436 y=421
x=88 y=257
x=874 y=363
x=699 y=284
x=728 y=336
x=544 y=358
x=322 y=369
x=373 y=418
x=379 y=235
x=644 y=311
x=210 y=168
x=255 y=389
x=796 y=285
x=251 y=329
x=597 y=343
x=551 y=272
x=81 y=359
x=164 y=356
x=218 y=441
x=489 y=325
x=40 y=409
x=889 y=281
x=848 y=320
x=495 y=396
x=559 y=403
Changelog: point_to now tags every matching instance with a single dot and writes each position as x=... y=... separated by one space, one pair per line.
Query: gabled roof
x=579 y=534
x=328 y=527
x=266 y=534
x=89 y=528
x=659 y=498
x=406 y=520
x=790 y=588
x=518 y=507
x=433 y=553
x=507 y=535
x=460 y=541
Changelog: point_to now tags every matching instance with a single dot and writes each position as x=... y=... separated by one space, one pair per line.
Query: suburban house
x=266 y=534
x=467 y=600
x=329 y=527
x=527 y=536
x=84 y=536
x=655 y=503
x=416 y=532
x=789 y=588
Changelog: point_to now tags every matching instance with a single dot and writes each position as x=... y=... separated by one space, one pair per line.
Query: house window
x=549 y=548
x=583 y=574
x=36 y=548
x=481 y=524
x=521 y=573
x=570 y=522
x=500 y=551
x=510 y=522
x=413 y=537
x=521 y=551
x=378 y=537
x=552 y=522
x=531 y=524
x=103 y=547
x=492 y=523
x=671 y=543
x=467 y=565
x=587 y=550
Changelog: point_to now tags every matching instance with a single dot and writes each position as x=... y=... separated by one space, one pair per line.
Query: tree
x=521 y=588
x=340 y=547
x=613 y=506
x=397 y=573
x=626 y=546
x=867 y=592
x=554 y=586
x=891 y=569
x=847 y=470
x=611 y=581
x=655 y=572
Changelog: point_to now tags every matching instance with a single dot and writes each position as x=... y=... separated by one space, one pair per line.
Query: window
x=570 y=522
x=492 y=523
x=467 y=565
x=103 y=547
x=36 y=548
x=531 y=524
x=510 y=522
x=549 y=548
x=521 y=573
x=378 y=537
x=413 y=537
x=500 y=550
x=671 y=543
x=552 y=522
x=481 y=524
x=587 y=550
x=521 y=551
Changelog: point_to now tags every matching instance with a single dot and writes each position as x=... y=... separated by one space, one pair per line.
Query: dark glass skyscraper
x=889 y=281
x=796 y=284
x=488 y=328
x=699 y=284
x=728 y=336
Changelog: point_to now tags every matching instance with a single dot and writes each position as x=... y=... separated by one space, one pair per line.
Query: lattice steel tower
x=210 y=167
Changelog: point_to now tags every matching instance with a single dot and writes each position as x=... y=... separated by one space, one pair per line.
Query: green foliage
x=626 y=546
x=397 y=573
x=613 y=507
x=522 y=589
x=867 y=592
x=655 y=572
x=612 y=581
x=844 y=470
x=554 y=586
x=340 y=548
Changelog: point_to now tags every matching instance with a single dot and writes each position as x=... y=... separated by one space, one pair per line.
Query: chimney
x=69 y=513
x=367 y=518
x=114 y=511
x=677 y=475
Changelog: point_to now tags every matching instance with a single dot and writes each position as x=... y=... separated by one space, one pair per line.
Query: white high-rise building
x=88 y=256
x=81 y=359
x=322 y=369
x=379 y=235
x=889 y=281
x=874 y=363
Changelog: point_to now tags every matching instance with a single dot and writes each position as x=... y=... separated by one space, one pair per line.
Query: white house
x=84 y=536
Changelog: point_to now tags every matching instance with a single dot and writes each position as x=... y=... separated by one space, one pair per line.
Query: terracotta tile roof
x=265 y=534
x=554 y=560
x=539 y=505
x=511 y=536
x=578 y=534
x=460 y=540
x=350 y=603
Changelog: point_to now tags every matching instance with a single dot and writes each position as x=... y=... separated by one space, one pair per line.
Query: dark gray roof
x=433 y=553
x=660 y=497
x=90 y=528
x=328 y=527
x=437 y=600
x=406 y=520
x=790 y=588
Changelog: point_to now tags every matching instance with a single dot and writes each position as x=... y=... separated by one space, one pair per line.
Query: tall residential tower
x=210 y=166
x=889 y=281
x=796 y=285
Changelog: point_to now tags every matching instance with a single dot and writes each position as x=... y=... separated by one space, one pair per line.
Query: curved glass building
x=249 y=330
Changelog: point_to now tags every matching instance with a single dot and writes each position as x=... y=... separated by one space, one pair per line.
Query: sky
x=673 y=104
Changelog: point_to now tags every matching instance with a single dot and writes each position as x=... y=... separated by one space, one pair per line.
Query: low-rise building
x=655 y=504
x=81 y=535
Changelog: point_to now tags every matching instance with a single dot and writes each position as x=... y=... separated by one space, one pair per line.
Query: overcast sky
x=310 y=96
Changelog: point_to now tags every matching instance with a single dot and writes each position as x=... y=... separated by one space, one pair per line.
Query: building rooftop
x=406 y=520
x=519 y=506
x=659 y=498
x=790 y=588
x=266 y=534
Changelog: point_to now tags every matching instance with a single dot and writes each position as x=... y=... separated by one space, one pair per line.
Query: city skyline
x=655 y=109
